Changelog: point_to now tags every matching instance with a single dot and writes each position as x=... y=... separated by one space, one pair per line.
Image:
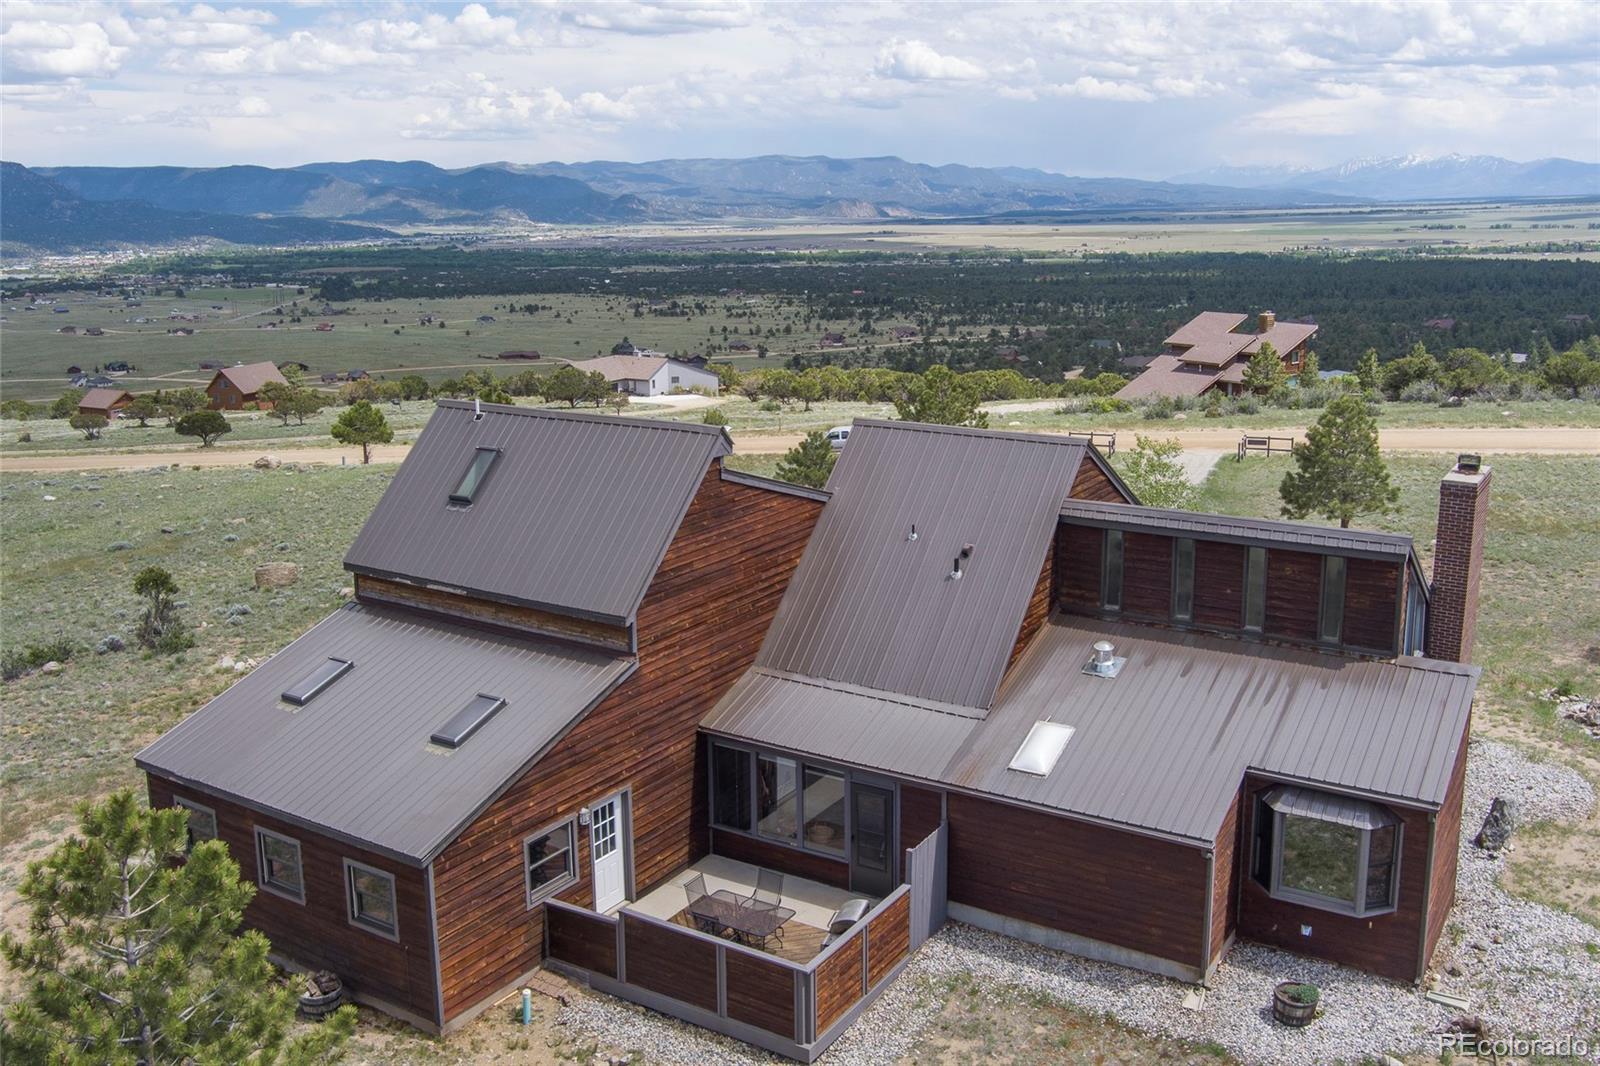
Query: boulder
x=51 y=667
x=267 y=462
x=277 y=575
x=1497 y=825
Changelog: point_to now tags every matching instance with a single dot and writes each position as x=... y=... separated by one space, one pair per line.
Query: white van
x=838 y=435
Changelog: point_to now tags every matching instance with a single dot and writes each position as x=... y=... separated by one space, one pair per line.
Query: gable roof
x=103 y=398
x=870 y=606
x=1205 y=325
x=624 y=367
x=1283 y=336
x=250 y=377
x=356 y=760
x=1169 y=375
x=574 y=516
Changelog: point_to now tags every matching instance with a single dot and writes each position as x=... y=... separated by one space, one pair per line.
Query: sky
x=1146 y=90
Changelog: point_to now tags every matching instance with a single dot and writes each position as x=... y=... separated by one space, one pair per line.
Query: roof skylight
x=309 y=687
x=473 y=479
x=467 y=721
x=1043 y=746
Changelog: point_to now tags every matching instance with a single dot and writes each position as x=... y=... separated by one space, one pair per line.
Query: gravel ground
x=1523 y=966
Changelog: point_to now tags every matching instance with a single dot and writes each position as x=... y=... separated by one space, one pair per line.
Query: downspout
x=1427 y=897
x=1211 y=896
x=438 y=963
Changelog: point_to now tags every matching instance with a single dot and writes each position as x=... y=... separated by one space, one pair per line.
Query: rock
x=346 y=593
x=120 y=546
x=277 y=575
x=282 y=546
x=51 y=667
x=237 y=521
x=224 y=663
x=267 y=462
x=230 y=538
x=168 y=529
x=1497 y=825
x=1453 y=970
x=49 y=499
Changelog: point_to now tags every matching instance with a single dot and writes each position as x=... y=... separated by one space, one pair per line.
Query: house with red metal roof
x=1208 y=353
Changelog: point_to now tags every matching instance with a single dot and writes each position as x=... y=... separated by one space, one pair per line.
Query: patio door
x=607 y=854
x=872 y=866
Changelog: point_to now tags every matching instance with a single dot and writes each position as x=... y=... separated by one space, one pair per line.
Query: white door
x=605 y=849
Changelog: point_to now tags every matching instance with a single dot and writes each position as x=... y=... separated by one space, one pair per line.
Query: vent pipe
x=1105 y=661
x=477 y=409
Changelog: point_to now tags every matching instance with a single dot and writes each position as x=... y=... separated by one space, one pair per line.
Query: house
x=94 y=331
x=69 y=330
x=330 y=378
x=485 y=318
x=1440 y=323
x=970 y=677
x=119 y=367
x=356 y=375
x=1207 y=353
x=181 y=331
x=324 y=327
x=739 y=346
x=239 y=386
x=1519 y=358
x=528 y=354
x=832 y=340
x=212 y=364
x=1576 y=319
x=650 y=375
x=104 y=401
x=906 y=333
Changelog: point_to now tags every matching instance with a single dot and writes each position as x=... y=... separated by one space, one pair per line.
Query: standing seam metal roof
x=1328 y=539
x=870 y=606
x=356 y=760
x=575 y=515
x=249 y=378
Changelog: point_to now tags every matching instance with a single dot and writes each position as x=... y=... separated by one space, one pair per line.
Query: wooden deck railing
x=1106 y=442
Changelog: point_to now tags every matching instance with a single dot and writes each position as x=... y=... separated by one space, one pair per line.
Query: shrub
x=1107 y=405
x=1421 y=392
x=714 y=417
x=24 y=437
x=1159 y=409
x=1243 y=405
x=1302 y=993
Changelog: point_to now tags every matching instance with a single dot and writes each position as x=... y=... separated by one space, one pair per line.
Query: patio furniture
x=769 y=887
x=757 y=924
x=846 y=916
x=705 y=911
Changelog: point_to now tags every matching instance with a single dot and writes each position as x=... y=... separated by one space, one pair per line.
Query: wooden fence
x=1106 y=442
x=1264 y=446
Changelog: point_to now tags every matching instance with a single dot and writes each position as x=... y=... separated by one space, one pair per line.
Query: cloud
x=253 y=107
x=659 y=19
x=916 y=61
x=60 y=50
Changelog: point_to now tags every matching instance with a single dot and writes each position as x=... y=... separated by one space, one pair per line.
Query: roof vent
x=1042 y=747
x=1106 y=661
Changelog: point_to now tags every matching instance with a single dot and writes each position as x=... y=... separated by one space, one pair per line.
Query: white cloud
x=917 y=61
x=659 y=19
x=253 y=107
x=59 y=50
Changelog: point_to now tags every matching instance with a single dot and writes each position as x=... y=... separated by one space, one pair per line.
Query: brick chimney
x=1458 y=560
x=1266 y=320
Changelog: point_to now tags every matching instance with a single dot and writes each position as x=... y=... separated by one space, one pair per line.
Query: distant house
x=1206 y=353
x=646 y=375
x=906 y=333
x=181 y=331
x=485 y=318
x=106 y=402
x=1519 y=358
x=68 y=330
x=1332 y=375
x=1575 y=320
x=331 y=378
x=356 y=375
x=695 y=360
x=833 y=340
x=60 y=310
x=527 y=354
x=238 y=386
x=739 y=346
x=119 y=367
x=1440 y=323
x=212 y=364
x=324 y=327
x=94 y=331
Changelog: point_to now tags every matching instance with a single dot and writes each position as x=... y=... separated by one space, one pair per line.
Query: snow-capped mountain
x=1416 y=177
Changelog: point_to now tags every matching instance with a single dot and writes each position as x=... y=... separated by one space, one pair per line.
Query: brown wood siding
x=1120 y=888
x=921 y=811
x=1092 y=484
x=1147 y=576
x=1446 y=842
x=839 y=982
x=317 y=933
x=1218 y=584
x=1294 y=582
x=757 y=852
x=672 y=963
x=587 y=940
x=1371 y=604
x=888 y=939
x=1038 y=611
x=1077 y=566
x=1226 y=864
x=761 y=993
x=1386 y=944
x=457 y=605
x=700 y=626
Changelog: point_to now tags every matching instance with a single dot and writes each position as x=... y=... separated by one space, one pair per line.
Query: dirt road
x=1549 y=441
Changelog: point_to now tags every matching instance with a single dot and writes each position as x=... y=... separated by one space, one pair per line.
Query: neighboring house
x=485 y=318
x=970 y=677
x=906 y=333
x=1575 y=320
x=103 y=401
x=739 y=346
x=94 y=331
x=650 y=375
x=1440 y=323
x=1207 y=353
x=832 y=340
x=324 y=327
x=239 y=386
x=73 y=370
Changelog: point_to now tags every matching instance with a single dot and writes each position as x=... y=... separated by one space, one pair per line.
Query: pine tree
x=1339 y=472
x=365 y=425
x=809 y=462
x=941 y=397
x=1310 y=369
x=1265 y=373
x=131 y=954
x=1367 y=372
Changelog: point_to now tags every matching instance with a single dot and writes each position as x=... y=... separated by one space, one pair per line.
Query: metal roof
x=1205 y=325
x=1283 y=336
x=1215 y=351
x=1325 y=539
x=1161 y=748
x=103 y=398
x=249 y=377
x=1167 y=375
x=871 y=605
x=356 y=760
x=575 y=516
x=772 y=484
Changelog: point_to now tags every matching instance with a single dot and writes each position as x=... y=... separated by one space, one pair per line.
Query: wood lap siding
x=888 y=939
x=921 y=811
x=1077 y=566
x=1092 y=484
x=1294 y=583
x=1446 y=839
x=760 y=993
x=835 y=872
x=1038 y=611
x=317 y=934
x=1371 y=604
x=585 y=940
x=1218 y=584
x=1120 y=888
x=679 y=965
x=700 y=625
x=1227 y=863
x=455 y=605
x=1147 y=575
x=838 y=983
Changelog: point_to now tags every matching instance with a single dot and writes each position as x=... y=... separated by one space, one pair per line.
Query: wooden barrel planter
x=324 y=991
x=1294 y=1003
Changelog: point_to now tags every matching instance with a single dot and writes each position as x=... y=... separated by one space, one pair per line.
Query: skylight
x=307 y=688
x=467 y=721
x=1038 y=754
x=473 y=479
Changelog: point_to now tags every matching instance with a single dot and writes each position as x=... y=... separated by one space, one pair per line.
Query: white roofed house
x=651 y=375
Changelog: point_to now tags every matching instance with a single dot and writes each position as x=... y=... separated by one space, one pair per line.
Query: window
x=278 y=865
x=550 y=860
x=202 y=821
x=309 y=687
x=370 y=895
x=467 y=721
x=1330 y=618
x=1255 y=589
x=1183 y=579
x=477 y=472
x=1111 y=575
x=777 y=798
x=1326 y=851
x=730 y=787
x=824 y=809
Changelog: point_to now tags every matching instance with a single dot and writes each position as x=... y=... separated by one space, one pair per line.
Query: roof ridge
x=954 y=710
x=584 y=416
x=972 y=431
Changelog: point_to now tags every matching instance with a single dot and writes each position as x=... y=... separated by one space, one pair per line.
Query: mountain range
x=59 y=208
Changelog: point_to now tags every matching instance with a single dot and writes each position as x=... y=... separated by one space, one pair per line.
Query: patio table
x=751 y=921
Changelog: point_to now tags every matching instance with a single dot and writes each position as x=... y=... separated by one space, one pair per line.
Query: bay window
x=1326 y=851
